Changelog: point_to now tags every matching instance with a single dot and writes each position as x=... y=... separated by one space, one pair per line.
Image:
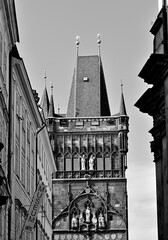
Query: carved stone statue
x=91 y=162
x=81 y=219
x=94 y=219
x=101 y=221
x=83 y=162
x=74 y=221
x=87 y=212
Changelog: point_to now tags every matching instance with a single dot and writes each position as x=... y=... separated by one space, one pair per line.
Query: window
x=32 y=173
x=28 y=157
x=28 y=170
x=17 y=222
x=99 y=160
x=1 y=222
x=115 y=161
x=17 y=116
x=1 y=44
x=23 y=168
x=60 y=162
x=68 y=162
x=17 y=161
x=107 y=161
x=5 y=63
x=63 y=122
x=22 y=223
x=76 y=163
x=23 y=146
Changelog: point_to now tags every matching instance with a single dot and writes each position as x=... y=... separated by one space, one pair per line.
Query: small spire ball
x=99 y=40
x=77 y=40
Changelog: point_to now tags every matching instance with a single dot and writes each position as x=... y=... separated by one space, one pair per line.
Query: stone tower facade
x=90 y=149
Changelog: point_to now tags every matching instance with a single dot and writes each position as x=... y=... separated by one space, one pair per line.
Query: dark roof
x=44 y=104
x=122 y=106
x=88 y=96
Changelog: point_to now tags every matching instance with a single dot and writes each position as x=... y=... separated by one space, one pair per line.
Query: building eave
x=12 y=20
x=27 y=89
x=157 y=24
x=144 y=102
x=155 y=68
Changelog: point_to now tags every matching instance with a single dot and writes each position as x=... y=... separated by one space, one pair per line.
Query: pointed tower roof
x=51 y=111
x=88 y=96
x=122 y=103
x=44 y=103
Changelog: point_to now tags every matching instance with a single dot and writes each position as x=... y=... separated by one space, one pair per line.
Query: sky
x=48 y=30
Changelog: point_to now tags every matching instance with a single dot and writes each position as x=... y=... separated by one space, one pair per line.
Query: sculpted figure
x=94 y=219
x=101 y=221
x=87 y=212
x=81 y=219
x=74 y=222
x=83 y=162
x=91 y=162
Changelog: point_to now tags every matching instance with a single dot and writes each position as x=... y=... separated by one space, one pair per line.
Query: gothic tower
x=90 y=149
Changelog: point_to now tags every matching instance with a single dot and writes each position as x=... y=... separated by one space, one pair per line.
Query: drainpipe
x=38 y=131
x=9 y=139
x=165 y=37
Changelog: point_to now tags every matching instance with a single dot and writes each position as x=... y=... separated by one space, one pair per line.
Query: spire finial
x=77 y=44
x=122 y=103
x=45 y=76
x=99 y=42
x=51 y=88
x=58 y=109
x=121 y=86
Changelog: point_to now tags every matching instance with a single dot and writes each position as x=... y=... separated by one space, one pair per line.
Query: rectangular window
x=1 y=221
x=23 y=168
x=17 y=222
x=17 y=116
x=99 y=163
x=107 y=163
x=22 y=223
x=76 y=164
x=1 y=44
x=17 y=160
x=5 y=64
x=28 y=166
x=68 y=164
x=32 y=173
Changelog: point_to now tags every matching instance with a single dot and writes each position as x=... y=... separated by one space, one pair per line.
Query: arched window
x=60 y=162
x=76 y=162
x=115 y=161
x=68 y=162
x=99 y=160
x=107 y=161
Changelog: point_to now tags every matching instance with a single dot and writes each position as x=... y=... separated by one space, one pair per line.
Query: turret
x=44 y=104
x=51 y=111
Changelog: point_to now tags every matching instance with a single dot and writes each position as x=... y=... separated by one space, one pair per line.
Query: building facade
x=155 y=103
x=31 y=156
x=90 y=151
x=8 y=38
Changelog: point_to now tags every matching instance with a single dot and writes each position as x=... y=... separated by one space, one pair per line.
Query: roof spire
x=45 y=99
x=99 y=42
x=45 y=77
x=51 y=111
x=75 y=73
x=51 y=88
x=77 y=45
x=58 y=109
x=122 y=102
x=121 y=87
